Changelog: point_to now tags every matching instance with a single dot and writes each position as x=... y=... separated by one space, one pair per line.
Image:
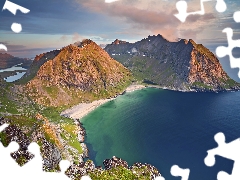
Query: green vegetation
x=21 y=160
x=113 y=174
x=6 y=105
x=121 y=173
x=71 y=137
x=3 y=139
x=231 y=82
x=51 y=90
x=227 y=84
x=53 y=115
x=201 y=85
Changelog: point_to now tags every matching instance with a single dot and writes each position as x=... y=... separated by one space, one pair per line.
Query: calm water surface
x=14 y=68
x=14 y=77
x=164 y=128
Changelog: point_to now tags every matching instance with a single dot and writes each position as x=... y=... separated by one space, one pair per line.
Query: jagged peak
x=185 y=41
x=193 y=42
x=117 y=41
x=71 y=47
x=82 y=44
x=154 y=37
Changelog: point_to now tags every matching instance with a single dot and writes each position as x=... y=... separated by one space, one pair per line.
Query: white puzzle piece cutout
x=177 y=171
x=33 y=168
x=159 y=178
x=30 y=170
x=236 y=17
x=4 y=126
x=86 y=178
x=16 y=27
x=182 y=9
x=9 y=169
x=12 y=7
x=230 y=151
x=3 y=47
x=222 y=51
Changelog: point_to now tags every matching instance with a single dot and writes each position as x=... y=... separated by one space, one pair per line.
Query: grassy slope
x=18 y=105
x=24 y=117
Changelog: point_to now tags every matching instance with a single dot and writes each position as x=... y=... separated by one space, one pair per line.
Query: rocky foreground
x=53 y=147
x=115 y=168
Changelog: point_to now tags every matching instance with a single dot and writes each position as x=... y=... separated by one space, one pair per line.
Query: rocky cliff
x=182 y=65
x=77 y=73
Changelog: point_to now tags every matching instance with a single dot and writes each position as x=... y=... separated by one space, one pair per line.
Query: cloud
x=154 y=16
x=77 y=37
x=63 y=38
x=53 y=24
x=23 y=51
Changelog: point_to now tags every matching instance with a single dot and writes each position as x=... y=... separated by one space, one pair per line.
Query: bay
x=164 y=128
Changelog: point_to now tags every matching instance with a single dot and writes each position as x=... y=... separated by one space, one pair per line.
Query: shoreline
x=83 y=109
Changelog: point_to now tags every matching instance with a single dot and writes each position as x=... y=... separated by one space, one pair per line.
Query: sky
x=54 y=24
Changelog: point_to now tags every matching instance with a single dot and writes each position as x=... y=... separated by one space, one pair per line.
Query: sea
x=165 y=128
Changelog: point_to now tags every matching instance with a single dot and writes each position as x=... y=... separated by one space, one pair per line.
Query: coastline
x=81 y=110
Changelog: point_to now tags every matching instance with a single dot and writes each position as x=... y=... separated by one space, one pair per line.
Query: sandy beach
x=82 y=109
x=134 y=88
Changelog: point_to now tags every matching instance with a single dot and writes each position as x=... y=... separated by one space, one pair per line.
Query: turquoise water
x=164 y=128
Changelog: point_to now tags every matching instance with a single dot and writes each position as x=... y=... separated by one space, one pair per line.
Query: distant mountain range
x=182 y=65
x=7 y=61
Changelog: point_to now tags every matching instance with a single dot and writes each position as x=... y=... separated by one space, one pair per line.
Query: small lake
x=14 y=77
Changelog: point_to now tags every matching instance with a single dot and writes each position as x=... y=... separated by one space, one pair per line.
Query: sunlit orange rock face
x=82 y=71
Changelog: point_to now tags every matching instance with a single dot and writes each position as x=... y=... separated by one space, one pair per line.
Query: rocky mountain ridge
x=182 y=65
x=38 y=61
x=76 y=73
